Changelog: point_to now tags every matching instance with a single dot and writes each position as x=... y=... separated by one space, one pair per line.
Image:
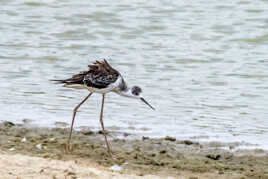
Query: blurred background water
x=203 y=65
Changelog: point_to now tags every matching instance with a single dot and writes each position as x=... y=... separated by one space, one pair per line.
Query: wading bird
x=100 y=78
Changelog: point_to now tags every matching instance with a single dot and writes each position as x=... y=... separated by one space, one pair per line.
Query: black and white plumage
x=101 y=78
x=100 y=75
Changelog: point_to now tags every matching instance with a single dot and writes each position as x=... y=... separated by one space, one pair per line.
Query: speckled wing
x=100 y=75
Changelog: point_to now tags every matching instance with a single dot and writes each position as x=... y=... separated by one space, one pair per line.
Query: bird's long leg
x=71 y=129
x=103 y=131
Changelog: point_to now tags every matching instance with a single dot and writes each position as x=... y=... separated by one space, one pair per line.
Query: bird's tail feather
x=58 y=81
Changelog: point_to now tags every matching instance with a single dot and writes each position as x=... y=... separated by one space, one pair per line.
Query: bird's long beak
x=147 y=103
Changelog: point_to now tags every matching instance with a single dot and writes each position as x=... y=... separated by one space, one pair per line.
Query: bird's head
x=136 y=92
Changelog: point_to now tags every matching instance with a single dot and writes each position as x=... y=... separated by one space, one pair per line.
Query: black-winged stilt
x=100 y=78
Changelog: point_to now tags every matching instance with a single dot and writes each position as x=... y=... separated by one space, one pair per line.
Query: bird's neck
x=123 y=89
x=126 y=92
x=122 y=85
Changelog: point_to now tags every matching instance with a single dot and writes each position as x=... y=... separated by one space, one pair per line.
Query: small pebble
x=115 y=168
x=24 y=139
x=39 y=146
x=12 y=149
x=163 y=151
x=193 y=177
x=126 y=134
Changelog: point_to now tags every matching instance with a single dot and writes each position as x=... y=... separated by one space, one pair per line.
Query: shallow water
x=204 y=66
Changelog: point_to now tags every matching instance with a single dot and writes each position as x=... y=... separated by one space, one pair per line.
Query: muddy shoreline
x=162 y=157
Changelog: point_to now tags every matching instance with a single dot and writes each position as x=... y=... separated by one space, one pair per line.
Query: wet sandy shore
x=40 y=152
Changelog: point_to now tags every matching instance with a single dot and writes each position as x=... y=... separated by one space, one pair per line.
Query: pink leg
x=74 y=113
x=101 y=121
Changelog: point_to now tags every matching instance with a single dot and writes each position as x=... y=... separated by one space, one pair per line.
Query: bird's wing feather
x=100 y=75
x=97 y=81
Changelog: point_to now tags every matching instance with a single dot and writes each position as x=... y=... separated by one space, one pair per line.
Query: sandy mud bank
x=40 y=152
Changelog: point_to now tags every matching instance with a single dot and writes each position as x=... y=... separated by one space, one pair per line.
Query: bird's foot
x=109 y=151
x=110 y=154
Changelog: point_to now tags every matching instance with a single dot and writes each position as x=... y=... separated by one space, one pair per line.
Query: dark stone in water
x=144 y=138
x=87 y=132
x=170 y=138
x=188 y=142
x=101 y=132
x=8 y=124
x=126 y=134
x=213 y=156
